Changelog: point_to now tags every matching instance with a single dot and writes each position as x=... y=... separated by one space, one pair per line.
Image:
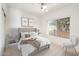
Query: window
x=59 y=27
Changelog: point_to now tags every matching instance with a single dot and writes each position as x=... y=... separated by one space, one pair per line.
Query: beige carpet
x=54 y=50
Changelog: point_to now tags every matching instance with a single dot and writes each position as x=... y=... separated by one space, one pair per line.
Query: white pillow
x=33 y=33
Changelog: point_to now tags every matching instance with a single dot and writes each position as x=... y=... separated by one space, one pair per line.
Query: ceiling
x=35 y=8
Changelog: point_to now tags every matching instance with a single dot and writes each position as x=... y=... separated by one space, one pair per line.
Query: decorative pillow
x=25 y=35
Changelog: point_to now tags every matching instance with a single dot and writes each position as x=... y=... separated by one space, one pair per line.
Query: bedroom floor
x=54 y=50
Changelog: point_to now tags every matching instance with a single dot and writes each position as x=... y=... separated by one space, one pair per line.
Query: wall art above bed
x=27 y=22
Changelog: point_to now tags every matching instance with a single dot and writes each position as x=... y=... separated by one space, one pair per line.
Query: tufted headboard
x=28 y=30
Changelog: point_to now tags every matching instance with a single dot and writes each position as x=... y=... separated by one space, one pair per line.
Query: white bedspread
x=43 y=41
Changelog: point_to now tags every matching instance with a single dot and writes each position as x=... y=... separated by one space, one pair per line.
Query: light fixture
x=44 y=7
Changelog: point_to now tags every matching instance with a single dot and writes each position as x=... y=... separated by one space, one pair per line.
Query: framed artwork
x=24 y=21
x=27 y=22
x=59 y=27
x=31 y=23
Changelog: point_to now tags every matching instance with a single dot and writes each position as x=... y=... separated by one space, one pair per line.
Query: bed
x=31 y=44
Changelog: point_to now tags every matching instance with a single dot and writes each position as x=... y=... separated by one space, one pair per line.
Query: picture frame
x=24 y=21
x=27 y=22
x=31 y=22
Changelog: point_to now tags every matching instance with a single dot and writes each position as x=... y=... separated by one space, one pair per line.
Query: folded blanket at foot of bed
x=34 y=43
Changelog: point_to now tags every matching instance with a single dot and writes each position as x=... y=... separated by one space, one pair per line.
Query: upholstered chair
x=73 y=42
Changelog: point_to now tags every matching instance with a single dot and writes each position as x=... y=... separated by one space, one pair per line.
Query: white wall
x=71 y=11
x=14 y=18
x=2 y=31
